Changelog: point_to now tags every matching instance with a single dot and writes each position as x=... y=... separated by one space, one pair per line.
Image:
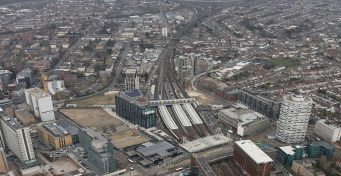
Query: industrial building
x=287 y=154
x=293 y=121
x=316 y=149
x=251 y=158
x=328 y=130
x=132 y=80
x=40 y=103
x=259 y=103
x=132 y=106
x=17 y=138
x=244 y=120
x=99 y=150
x=54 y=135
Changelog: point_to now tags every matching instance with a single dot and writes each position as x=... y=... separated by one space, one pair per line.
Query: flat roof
x=205 y=143
x=253 y=151
x=10 y=121
x=289 y=150
x=135 y=96
x=325 y=144
x=131 y=71
x=160 y=149
x=243 y=114
x=55 y=129
x=73 y=130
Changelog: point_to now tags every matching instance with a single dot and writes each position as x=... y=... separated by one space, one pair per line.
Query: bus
x=179 y=169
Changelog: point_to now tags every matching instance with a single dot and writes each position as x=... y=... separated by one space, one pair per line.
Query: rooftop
x=325 y=145
x=55 y=129
x=38 y=92
x=332 y=123
x=10 y=121
x=242 y=114
x=161 y=149
x=69 y=128
x=134 y=96
x=289 y=150
x=253 y=151
x=131 y=71
x=298 y=98
x=205 y=143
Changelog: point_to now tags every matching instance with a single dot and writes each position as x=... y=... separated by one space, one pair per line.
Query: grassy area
x=97 y=100
x=281 y=62
x=286 y=62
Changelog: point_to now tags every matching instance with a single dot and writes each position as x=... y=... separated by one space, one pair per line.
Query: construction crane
x=43 y=78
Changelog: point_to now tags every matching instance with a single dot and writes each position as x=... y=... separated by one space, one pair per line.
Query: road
x=115 y=81
x=121 y=158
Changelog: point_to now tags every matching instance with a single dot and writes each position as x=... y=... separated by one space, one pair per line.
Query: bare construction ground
x=127 y=138
x=92 y=117
x=202 y=98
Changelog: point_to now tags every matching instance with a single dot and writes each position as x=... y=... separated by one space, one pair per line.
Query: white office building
x=293 y=119
x=328 y=130
x=132 y=80
x=55 y=86
x=164 y=32
x=17 y=138
x=40 y=103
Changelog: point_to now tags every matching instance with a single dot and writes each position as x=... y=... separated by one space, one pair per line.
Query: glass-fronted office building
x=99 y=150
x=132 y=106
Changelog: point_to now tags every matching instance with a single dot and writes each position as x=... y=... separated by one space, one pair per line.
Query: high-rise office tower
x=293 y=119
x=164 y=32
x=40 y=103
x=132 y=80
x=17 y=138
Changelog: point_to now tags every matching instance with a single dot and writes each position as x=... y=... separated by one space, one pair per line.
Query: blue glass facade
x=102 y=158
x=135 y=112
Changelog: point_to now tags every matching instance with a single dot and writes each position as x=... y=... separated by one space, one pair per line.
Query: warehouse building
x=251 y=158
